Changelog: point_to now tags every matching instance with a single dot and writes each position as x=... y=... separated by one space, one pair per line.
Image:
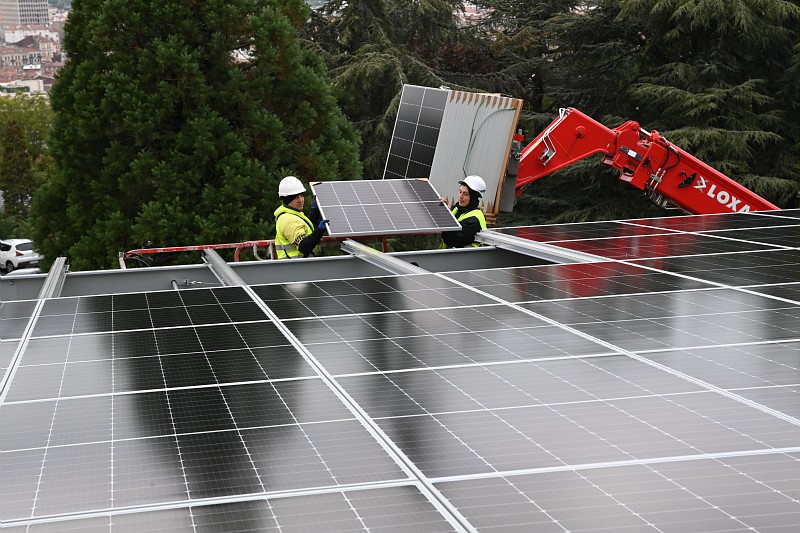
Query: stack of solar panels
x=445 y=135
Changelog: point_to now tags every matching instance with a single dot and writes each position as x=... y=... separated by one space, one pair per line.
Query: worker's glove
x=314 y=215
x=322 y=223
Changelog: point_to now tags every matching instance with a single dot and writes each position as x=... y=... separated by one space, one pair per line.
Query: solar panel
x=382 y=207
x=713 y=494
x=416 y=132
x=445 y=135
x=641 y=395
x=14 y=317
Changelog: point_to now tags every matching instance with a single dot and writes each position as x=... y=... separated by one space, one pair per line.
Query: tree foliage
x=158 y=126
x=717 y=78
x=582 y=56
x=16 y=164
x=175 y=122
x=373 y=47
x=25 y=123
x=713 y=76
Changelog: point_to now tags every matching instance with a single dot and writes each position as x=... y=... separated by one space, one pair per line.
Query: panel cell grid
x=727 y=494
x=738 y=269
x=416 y=132
x=577 y=231
x=665 y=245
x=14 y=318
x=788 y=236
x=722 y=221
x=380 y=207
x=650 y=395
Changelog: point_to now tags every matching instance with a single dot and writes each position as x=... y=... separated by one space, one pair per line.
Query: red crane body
x=646 y=161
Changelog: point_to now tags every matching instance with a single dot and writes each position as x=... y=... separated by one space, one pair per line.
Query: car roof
x=14 y=241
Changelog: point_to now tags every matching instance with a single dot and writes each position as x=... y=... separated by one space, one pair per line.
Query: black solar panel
x=778 y=266
x=382 y=207
x=658 y=394
x=416 y=131
x=14 y=318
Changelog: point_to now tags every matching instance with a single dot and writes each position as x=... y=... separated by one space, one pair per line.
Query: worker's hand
x=322 y=223
x=314 y=215
x=443 y=200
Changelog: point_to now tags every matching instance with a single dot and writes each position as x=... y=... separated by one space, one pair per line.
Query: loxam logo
x=723 y=197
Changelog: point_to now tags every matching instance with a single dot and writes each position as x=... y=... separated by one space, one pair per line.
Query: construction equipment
x=646 y=160
x=668 y=174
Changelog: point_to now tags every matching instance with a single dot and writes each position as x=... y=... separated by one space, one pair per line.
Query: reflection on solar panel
x=656 y=394
x=382 y=207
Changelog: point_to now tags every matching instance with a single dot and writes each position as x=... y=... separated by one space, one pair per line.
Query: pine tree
x=581 y=56
x=175 y=122
x=718 y=79
x=523 y=36
x=715 y=78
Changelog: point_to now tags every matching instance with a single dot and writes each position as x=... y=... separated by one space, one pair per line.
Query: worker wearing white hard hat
x=468 y=213
x=296 y=235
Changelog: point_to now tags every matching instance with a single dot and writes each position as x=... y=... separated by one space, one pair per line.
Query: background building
x=23 y=12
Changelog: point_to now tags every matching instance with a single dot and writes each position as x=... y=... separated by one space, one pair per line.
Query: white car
x=18 y=253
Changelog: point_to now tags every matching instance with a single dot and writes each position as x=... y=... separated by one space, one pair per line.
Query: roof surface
x=657 y=390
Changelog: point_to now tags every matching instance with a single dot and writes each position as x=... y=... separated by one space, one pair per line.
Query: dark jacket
x=470 y=226
x=307 y=245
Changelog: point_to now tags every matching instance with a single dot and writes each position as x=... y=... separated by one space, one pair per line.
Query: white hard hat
x=475 y=183
x=290 y=186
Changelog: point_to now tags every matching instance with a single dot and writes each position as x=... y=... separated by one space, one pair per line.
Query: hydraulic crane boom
x=646 y=161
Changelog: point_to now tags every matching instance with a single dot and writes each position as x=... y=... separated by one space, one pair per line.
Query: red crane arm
x=646 y=161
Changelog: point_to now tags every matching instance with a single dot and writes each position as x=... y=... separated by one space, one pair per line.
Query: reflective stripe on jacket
x=284 y=247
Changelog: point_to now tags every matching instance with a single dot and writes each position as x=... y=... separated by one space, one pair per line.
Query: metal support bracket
x=380 y=259
x=548 y=252
x=221 y=270
x=51 y=288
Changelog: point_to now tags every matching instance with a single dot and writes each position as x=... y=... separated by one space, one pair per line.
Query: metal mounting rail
x=380 y=259
x=541 y=250
x=221 y=270
x=51 y=288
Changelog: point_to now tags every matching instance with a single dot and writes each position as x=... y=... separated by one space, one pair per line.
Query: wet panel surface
x=653 y=395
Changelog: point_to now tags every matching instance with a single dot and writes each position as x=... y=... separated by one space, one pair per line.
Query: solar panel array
x=656 y=391
x=382 y=207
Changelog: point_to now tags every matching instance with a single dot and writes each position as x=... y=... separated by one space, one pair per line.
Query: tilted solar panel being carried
x=381 y=207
